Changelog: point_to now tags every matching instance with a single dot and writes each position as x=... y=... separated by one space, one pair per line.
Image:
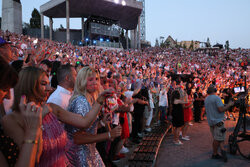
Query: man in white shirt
x=66 y=76
x=163 y=102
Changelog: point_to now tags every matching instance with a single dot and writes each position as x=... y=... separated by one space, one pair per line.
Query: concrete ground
x=197 y=152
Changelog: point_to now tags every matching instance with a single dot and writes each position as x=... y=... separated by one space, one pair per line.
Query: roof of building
x=126 y=15
x=170 y=39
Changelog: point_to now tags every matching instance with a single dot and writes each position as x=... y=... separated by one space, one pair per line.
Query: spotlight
x=116 y=1
x=101 y=39
x=94 y=42
x=107 y=40
x=124 y=3
x=87 y=39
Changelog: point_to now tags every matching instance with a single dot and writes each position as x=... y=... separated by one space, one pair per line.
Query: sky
x=184 y=20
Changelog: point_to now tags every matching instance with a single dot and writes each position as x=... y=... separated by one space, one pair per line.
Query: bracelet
x=30 y=141
x=109 y=135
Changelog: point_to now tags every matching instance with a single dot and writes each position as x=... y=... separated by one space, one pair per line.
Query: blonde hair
x=81 y=83
x=29 y=86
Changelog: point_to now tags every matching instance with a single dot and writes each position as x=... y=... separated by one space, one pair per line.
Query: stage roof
x=126 y=16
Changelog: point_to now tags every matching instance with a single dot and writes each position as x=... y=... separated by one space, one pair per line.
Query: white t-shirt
x=163 y=98
x=60 y=97
x=151 y=101
x=129 y=95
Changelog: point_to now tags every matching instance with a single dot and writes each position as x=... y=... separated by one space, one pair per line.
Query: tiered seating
x=146 y=152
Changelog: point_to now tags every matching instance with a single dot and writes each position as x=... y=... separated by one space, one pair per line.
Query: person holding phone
x=86 y=91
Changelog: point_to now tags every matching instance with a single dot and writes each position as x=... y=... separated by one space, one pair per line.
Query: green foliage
x=184 y=46
x=208 y=43
x=35 y=20
x=26 y=25
x=156 y=43
x=61 y=26
x=191 y=45
x=122 y=34
x=162 y=45
x=166 y=44
x=227 y=45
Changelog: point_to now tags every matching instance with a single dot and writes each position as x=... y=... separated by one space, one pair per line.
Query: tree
x=208 y=43
x=227 y=45
x=191 y=45
x=166 y=43
x=122 y=34
x=176 y=44
x=35 y=20
x=184 y=46
x=61 y=26
x=156 y=43
x=26 y=25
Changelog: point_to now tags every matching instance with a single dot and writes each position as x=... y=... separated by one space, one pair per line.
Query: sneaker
x=178 y=142
x=148 y=129
x=124 y=150
x=217 y=156
x=224 y=155
x=185 y=138
x=140 y=135
x=190 y=124
x=180 y=133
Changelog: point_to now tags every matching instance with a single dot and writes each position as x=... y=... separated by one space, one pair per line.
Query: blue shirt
x=212 y=102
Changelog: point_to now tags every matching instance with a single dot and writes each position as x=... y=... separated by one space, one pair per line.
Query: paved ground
x=197 y=151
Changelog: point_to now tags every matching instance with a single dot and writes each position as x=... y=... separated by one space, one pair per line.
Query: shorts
x=217 y=133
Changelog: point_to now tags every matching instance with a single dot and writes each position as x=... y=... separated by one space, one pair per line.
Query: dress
x=8 y=148
x=85 y=155
x=188 y=115
x=177 y=113
x=54 y=143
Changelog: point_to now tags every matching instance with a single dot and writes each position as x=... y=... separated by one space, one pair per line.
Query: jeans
x=163 y=110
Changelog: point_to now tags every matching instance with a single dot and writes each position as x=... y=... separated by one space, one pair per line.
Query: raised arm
x=82 y=137
x=27 y=136
x=77 y=119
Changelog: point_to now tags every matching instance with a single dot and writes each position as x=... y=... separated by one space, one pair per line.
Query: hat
x=2 y=41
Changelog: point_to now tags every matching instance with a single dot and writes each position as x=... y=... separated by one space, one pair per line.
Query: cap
x=2 y=41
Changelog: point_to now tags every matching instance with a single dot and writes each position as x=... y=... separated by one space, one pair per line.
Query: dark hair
x=178 y=81
x=9 y=76
x=55 y=66
x=17 y=65
x=189 y=91
x=175 y=95
x=28 y=58
x=62 y=72
x=47 y=62
x=28 y=85
x=211 y=89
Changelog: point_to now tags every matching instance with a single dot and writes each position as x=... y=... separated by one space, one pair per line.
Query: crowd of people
x=66 y=105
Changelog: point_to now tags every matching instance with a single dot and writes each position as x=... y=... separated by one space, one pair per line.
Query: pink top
x=54 y=142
